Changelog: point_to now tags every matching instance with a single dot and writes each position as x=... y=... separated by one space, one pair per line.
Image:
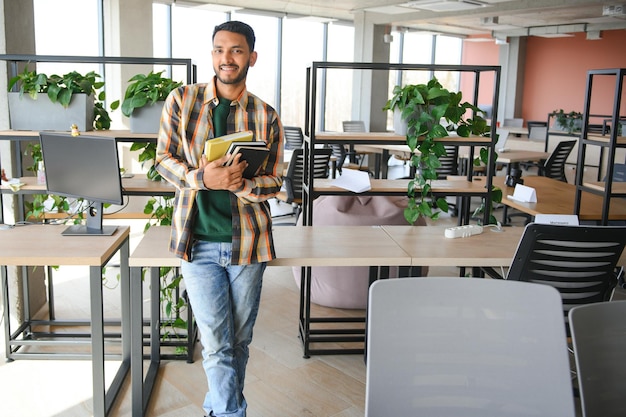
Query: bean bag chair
x=346 y=286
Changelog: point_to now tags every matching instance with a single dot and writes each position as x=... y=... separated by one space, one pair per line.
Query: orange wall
x=556 y=72
x=479 y=53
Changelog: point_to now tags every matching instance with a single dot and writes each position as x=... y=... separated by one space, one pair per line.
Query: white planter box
x=42 y=114
x=146 y=119
x=400 y=125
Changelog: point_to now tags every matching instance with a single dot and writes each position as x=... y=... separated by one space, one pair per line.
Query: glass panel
x=66 y=27
x=192 y=30
x=339 y=81
x=262 y=77
x=448 y=51
x=298 y=53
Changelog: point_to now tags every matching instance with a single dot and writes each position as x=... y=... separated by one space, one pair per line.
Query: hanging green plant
x=424 y=107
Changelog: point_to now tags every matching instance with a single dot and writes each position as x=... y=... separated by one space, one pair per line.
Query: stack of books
x=255 y=153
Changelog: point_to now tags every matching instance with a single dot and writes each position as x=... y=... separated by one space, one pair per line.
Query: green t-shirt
x=214 y=219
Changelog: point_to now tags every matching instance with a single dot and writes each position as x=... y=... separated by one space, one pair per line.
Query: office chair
x=292 y=182
x=514 y=122
x=537 y=130
x=599 y=341
x=579 y=261
x=554 y=167
x=293 y=137
x=355 y=159
x=466 y=347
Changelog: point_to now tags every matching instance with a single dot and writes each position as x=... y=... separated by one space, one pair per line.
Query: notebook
x=254 y=153
x=217 y=147
x=503 y=136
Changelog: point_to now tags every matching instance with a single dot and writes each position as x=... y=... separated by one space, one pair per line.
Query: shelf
x=447 y=187
x=137 y=185
x=608 y=142
x=389 y=138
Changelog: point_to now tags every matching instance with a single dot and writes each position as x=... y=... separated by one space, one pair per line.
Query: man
x=221 y=226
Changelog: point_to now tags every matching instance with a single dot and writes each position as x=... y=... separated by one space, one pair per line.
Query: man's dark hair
x=237 y=27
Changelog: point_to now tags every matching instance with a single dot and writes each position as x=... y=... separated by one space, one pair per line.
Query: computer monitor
x=84 y=167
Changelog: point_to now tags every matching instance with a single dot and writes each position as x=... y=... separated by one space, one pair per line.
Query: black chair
x=292 y=182
x=293 y=137
x=554 y=167
x=579 y=261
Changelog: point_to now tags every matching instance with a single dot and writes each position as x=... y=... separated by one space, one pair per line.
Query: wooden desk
x=373 y=246
x=428 y=246
x=556 y=197
x=43 y=245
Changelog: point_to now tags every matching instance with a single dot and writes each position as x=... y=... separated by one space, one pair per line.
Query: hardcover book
x=254 y=153
x=217 y=147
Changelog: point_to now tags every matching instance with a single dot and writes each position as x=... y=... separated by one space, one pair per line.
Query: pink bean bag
x=346 y=286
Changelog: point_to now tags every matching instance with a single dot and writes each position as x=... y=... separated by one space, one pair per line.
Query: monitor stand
x=93 y=226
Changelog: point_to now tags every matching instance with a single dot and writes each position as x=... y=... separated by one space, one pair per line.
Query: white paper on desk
x=524 y=194
x=559 y=219
x=353 y=180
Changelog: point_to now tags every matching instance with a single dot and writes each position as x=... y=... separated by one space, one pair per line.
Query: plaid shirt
x=186 y=124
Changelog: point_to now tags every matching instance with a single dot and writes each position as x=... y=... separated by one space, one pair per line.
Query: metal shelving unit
x=606 y=188
x=314 y=80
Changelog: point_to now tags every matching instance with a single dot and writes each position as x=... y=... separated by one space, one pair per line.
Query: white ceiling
x=496 y=18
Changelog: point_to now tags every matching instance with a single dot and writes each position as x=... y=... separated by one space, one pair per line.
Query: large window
x=298 y=53
x=263 y=77
x=67 y=27
x=286 y=47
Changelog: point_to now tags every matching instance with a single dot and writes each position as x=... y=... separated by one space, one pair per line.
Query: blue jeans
x=225 y=302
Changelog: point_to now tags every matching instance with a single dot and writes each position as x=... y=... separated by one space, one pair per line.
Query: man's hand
x=218 y=177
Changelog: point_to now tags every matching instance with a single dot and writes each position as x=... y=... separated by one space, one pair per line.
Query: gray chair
x=466 y=347
x=599 y=342
x=294 y=138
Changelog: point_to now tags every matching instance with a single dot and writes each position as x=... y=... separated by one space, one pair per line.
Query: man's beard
x=242 y=76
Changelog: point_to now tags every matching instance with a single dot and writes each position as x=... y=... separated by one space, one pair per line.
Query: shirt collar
x=211 y=95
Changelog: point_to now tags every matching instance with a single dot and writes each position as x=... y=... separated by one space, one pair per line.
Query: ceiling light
x=489 y=21
x=614 y=10
x=444 y=5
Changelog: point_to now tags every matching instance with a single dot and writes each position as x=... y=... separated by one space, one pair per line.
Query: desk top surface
x=428 y=246
x=296 y=246
x=40 y=245
x=360 y=246
x=556 y=197
x=456 y=186
x=514 y=155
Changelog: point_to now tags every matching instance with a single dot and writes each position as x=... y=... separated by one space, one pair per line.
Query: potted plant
x=570 y=122
x=143 y=100
x=71 y=99
x=424 y=107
